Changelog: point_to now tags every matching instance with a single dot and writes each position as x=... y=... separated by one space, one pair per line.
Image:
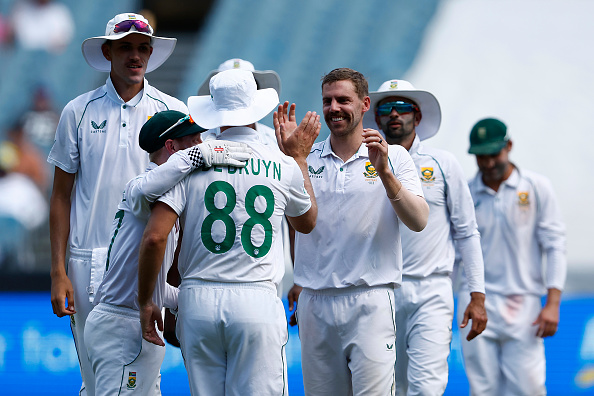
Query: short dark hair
x=344 y=73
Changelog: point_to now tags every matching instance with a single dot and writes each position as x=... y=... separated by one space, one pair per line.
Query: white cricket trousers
x=507 y=358
x=79 y=273
x=123 y=362
x=347 y=340
x=424 y=316
x=233 y=338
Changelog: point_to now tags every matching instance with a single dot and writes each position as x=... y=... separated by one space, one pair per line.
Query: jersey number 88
x=223 y=214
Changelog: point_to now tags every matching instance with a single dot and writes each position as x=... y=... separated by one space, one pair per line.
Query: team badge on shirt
x=523 y=198
x=370 y=173
x=315 y=173
x=131 y=380
x=427 y=175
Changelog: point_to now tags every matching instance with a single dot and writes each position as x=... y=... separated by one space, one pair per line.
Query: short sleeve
x=176 y=198
x=299 y=200
x=64 y=153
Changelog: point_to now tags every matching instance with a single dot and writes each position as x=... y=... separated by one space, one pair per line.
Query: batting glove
x=219 y=152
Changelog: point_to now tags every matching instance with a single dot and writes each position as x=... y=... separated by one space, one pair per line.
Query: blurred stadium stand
x=287 y=37
x=66 y=75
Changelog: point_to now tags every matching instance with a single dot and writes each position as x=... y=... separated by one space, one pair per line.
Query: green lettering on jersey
x=276 y=171
x=266 y=166
x=254 y=172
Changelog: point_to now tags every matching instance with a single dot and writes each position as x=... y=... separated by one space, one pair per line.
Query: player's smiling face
x=343 y=109
x=129 y=57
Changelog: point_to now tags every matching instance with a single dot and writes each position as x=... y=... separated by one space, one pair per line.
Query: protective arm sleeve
x=470 y=251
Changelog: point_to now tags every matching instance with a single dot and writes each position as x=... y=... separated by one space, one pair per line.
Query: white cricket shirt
x=519 y=224
x=451 y=218
x=231 y=217
x=97 y=138
x=356 y=240
x=120 y=283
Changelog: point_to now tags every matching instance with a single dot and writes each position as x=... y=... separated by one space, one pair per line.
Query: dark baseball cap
x=165 y=125
x=488 y=137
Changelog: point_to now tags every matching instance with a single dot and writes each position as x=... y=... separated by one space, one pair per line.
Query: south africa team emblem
x=427 y=175
x=523 y=198
x=370 y=171
x=131 y=379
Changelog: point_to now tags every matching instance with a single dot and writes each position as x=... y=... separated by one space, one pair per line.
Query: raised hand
x=377 y=148
x=295 y=140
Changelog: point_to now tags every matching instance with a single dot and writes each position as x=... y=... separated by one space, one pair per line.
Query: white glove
x=220 y=152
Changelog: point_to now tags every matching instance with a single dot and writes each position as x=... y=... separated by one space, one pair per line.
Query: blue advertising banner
x=37 y=354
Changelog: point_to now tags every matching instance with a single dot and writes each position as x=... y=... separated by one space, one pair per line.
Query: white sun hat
x=234 y=100
x=91 y=47
x=427 y=103
x=264 y=78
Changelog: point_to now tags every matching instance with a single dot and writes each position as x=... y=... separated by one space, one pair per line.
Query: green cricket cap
x=165 y=125
x=488 y=137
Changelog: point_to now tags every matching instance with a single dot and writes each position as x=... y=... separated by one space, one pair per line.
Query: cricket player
x=520 y=225
x=349 y=265
x=231 y=325
x=96 y=153
x=121 y=359
x=425 y=305
x=264 y=79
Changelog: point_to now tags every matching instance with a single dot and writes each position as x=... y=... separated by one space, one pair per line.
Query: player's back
x=231 y=217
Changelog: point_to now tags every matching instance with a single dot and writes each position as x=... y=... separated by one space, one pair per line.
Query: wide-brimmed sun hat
x=426 y=102
x=121 y=26
x=264 y=78
x=234 y=100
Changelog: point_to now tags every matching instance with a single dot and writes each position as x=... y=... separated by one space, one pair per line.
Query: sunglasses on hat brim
x=125 y=26
x=179 y=122
x=400 y=107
